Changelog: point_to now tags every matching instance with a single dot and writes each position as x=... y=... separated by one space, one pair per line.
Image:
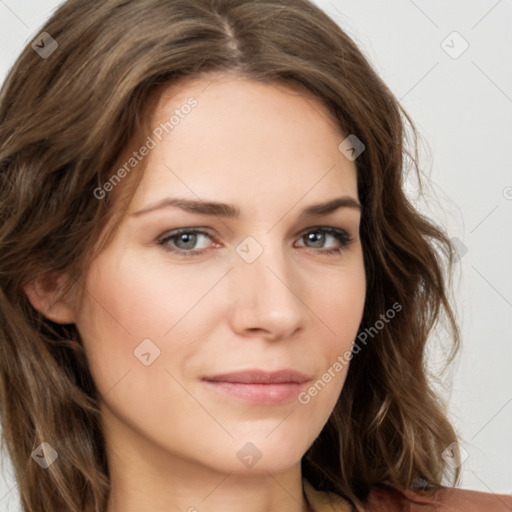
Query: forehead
x=231 y=137
x=230 y=96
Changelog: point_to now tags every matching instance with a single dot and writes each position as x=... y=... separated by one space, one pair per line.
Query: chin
x=271 y=451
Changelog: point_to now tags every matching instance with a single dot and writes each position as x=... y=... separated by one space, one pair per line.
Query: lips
x=259 y=386
x=257 y=376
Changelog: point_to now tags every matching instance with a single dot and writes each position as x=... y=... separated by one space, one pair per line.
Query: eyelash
x=342 y=236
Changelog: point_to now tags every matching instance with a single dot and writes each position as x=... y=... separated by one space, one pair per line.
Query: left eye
x=184 y=240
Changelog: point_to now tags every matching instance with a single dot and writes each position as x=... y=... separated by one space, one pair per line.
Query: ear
x=43 y=292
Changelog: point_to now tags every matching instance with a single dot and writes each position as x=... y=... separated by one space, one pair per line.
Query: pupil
x=312 y=237
x=185 y=236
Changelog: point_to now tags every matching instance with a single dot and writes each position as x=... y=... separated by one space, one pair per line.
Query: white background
x=463 y=109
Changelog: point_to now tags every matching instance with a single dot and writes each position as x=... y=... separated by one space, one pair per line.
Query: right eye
x=186 y=237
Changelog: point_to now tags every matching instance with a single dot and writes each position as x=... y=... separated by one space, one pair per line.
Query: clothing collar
x=322 y=501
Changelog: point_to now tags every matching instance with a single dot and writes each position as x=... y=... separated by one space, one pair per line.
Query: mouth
x=259 y=386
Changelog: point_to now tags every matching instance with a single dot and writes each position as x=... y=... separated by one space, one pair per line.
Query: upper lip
x=257 y=376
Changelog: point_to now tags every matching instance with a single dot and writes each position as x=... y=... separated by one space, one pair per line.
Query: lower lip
x=259 y=393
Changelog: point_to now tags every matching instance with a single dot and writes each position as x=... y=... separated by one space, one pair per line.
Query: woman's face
x=162 y=312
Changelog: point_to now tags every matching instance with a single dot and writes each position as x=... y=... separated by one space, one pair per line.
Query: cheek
x=336 y=301
x=336 y=309
x=132 y=308
x=128 y=299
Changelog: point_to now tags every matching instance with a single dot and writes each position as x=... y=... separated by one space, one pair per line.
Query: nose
x=266 y=296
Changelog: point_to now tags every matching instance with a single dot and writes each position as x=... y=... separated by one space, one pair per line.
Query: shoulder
x=394 y=499
x=444 y=499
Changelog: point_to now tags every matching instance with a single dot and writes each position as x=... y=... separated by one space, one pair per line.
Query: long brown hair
x=65 y=119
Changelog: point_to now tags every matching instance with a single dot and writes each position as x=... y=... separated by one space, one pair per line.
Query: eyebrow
x=231 y=211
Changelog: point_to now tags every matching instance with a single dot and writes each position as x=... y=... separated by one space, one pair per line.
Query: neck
x=206 y=491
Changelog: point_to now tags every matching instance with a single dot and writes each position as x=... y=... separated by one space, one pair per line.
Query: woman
x=170 y=339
